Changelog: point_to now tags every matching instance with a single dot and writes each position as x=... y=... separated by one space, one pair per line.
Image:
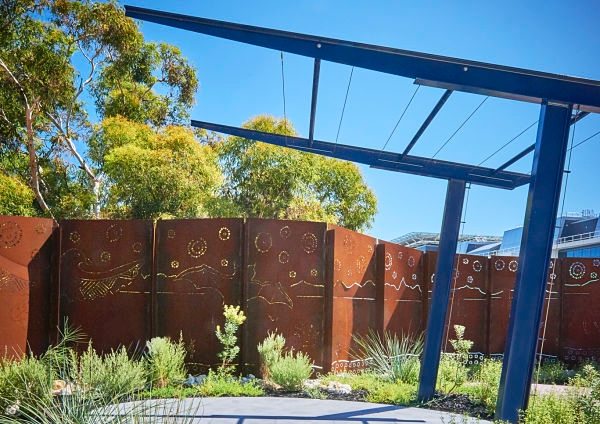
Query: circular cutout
x=477 y=267
x=224 y=233
x=114 y=233
x=388 y=261
x=513 y=266
x=309 y=242
x=197 y=248
x=499 y=265
x=10 y=234
x=577 y=270
x=284 y=257
x=263 y=242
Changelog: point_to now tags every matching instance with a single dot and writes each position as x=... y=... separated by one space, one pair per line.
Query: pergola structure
x=558 y=95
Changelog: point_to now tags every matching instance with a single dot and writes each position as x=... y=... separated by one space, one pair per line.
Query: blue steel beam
x=534 y=260
x=381 y=159
x=425 y=124
x=438 y=307
x=313 y=103
x=451 y=73
x=574 y=119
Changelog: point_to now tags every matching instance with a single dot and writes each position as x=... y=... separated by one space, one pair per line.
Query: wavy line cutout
x=582 y=284
x=403 y=283
x=466 y=286
x=358 y=284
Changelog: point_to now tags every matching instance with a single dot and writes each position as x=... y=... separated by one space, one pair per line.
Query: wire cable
x=344 y=107
x=401 y=116
x=507 y=143
x=458 y=129
x=583 y=141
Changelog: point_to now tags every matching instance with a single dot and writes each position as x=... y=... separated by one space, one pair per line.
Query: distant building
x=576 y=235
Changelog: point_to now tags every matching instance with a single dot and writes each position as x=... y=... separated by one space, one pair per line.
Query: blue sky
x=240 y=81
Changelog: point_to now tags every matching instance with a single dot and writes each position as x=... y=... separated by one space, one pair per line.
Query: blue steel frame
x=534 y=260
x=557 y=94
x=455 y=195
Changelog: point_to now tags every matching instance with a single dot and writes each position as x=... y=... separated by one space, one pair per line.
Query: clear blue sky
x=240 y=81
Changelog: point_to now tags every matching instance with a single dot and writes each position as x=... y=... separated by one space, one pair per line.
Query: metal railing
x=578 y=237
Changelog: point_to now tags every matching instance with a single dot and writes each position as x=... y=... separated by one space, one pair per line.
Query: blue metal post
x=534 y=259
x=438 y=309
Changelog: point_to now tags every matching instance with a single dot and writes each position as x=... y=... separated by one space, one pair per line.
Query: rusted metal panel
x=469 y=302
x=106 y=280
x=502 y=281
x=198 y=265
x=285 y=285
x=580 y=333
x=25 y=284
x=354 y=291
x=400 y=271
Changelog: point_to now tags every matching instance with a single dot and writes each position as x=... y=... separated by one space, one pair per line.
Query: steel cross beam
x=434 y=70
x=381 y=159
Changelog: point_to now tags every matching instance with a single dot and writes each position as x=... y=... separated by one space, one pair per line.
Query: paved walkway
x=269 y=410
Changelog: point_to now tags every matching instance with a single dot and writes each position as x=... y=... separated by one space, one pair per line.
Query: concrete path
x=269 y=410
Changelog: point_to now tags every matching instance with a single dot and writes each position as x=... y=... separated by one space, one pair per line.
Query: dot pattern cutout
x=10 y=234
x=292 y=274
x=74 y=236
x=314 y=272
x=513 y=266
x=285 y=232
x=114 y=233
x=388 y=261
x=224 y=262
x=283 y=257
x=105 y=256
x=263 y=242
x=309 y=243
x=171 y=234
x=477 y=267
x=411 y=261
x=174 y=264
x=499 y=264
x=224 y=233
x=197 y=248
x=465 y=261
x=136 y=247
x=577 y=270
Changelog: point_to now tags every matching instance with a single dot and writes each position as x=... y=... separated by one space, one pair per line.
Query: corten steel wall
x=580 y=323
x=468 y=304
x=400 y=285
x=353 y=308
x=285 y=286
x=198 y=268
x=469 y=301
x=25 y=264
x=502 y=271
x=106 y=280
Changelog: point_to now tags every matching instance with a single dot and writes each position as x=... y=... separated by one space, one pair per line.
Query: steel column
x=313 y=103
x=438 y=308
x=536 y=245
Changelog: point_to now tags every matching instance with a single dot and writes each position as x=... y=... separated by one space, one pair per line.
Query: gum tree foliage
x=268 y=181
x=155 y=172
x=57 y=57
